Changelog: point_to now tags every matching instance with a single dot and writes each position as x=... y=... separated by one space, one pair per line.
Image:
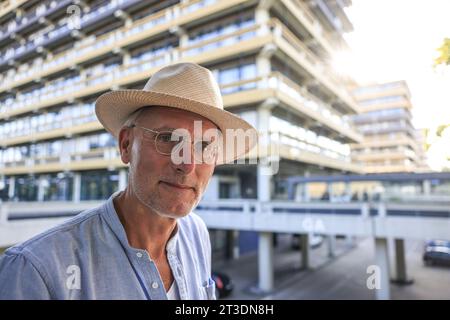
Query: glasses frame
x=157 y=133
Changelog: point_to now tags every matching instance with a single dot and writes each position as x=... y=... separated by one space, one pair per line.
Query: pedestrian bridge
x=382 y=221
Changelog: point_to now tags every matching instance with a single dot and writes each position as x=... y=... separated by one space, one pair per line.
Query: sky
x=398 y=40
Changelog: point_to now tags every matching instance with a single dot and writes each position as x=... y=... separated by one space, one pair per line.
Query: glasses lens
x=166 y=141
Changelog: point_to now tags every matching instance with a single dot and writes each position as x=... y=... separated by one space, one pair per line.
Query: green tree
x=444 y=53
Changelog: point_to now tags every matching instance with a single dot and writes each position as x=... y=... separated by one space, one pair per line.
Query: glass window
x=98 y=185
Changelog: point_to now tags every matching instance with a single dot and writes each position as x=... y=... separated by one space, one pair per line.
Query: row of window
x=58 y=28
x=403 y=148
x=99 y=74
x=386 y=126
x=377 y=114
x=57 y=148
x=307 y=139
x=84 y=46
x=35 y=12
x=308 y=101
x=377 y=88
x=78 y=114
x=64 y=118
x=94 y=185
x=381 y=100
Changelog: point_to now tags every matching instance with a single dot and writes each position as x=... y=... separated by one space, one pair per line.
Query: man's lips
x=178 y=186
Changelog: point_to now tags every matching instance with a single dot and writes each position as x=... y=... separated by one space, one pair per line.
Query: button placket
x=178 y=273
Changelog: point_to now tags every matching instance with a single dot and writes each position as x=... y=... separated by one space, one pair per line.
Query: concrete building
x=271 y=59
x=391 y=143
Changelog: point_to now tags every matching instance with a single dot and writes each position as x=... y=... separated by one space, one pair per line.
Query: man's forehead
x=167 y=117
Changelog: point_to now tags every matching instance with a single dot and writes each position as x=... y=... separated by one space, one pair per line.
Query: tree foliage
x=444 y=53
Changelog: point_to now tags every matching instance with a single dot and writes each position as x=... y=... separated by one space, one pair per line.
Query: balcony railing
x=324 y=73
x=102 y=44
x=107 y=154
x=275 y=80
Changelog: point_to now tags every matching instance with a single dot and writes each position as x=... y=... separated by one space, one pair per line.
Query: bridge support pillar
x=265 y=261
x=331 y=239
x=382 y=291
x=400 y=263
x=350 y=240
x=304 y=245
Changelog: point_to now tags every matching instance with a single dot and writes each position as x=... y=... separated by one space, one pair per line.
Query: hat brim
x=113 y=109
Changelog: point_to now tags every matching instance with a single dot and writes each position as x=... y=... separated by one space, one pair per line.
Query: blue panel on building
x=248 y=241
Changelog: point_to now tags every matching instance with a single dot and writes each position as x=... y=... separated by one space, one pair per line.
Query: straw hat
x=186 y=86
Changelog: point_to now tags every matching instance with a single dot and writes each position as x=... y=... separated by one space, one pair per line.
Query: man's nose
x=187 y=163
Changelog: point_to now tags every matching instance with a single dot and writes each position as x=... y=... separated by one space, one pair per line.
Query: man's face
x=168 y=188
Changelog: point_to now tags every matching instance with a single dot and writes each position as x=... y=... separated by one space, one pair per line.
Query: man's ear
x=125 y=141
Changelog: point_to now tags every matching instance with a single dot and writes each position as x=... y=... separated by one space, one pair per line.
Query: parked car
x=224 y=285
x=437 y=252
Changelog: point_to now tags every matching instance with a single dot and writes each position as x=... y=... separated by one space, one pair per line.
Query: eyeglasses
x=168 y=142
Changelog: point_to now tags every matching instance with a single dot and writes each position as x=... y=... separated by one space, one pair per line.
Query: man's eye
x=165 y=137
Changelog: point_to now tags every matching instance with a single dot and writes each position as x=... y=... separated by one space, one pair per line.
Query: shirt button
x=139 y=255
x=155 y=285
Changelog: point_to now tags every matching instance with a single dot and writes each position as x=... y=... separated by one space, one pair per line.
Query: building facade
x=272 y=59
x=391 y=143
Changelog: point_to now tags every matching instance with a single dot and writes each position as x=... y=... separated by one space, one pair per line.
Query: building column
x=400 y=263
x=304 y=245
x=348 y=190
x=12 y=187
x=426 y=187
x=236 y=251
x=265 y=239
x=77 y=187
x=331 y=239
x=330 y=190
x=262 y=17
x=42 y=184
x=350 y=240
x=382 y=262
x=122 y=179
x=265 y=261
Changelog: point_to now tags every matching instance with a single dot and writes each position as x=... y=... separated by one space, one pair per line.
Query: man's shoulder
x=64 y=235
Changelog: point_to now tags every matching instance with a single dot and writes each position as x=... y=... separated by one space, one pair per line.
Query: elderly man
x=143 y=242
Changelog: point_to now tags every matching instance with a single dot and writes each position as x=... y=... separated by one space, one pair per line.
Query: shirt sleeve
x=20 y=280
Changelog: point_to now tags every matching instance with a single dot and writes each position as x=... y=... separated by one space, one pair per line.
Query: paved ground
x=341 y=278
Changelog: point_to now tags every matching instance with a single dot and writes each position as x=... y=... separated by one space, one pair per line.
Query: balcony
x=177 y=15
x=289 y=147
x=293 y=148
x=32 y=21
x=287 y=42
x=155 y=24
x=63 y=33
x=101 y=158
x=137 y=70
x=7 y=6
x=287 y=91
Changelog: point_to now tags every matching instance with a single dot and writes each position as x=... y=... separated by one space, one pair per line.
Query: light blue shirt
x=89 y=257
